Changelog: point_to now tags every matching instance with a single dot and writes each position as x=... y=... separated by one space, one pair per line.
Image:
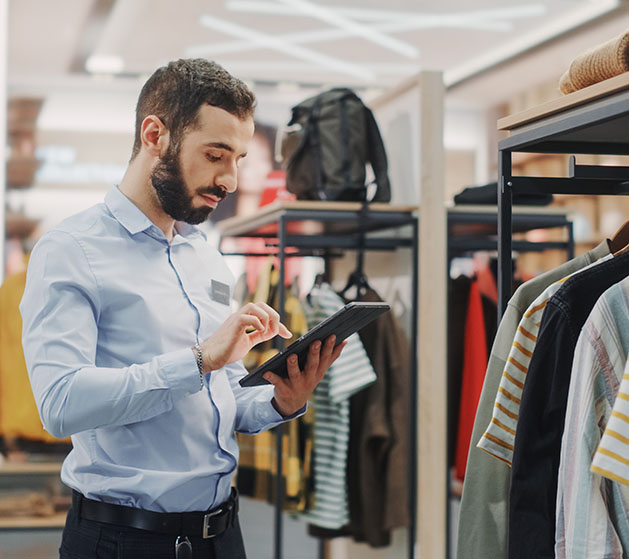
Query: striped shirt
x=350 y=373
x=592 y=517
x=612 y=455
x=499 y=437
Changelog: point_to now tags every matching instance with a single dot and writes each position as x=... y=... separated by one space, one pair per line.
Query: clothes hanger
x=358 y=278
x=319 y=279
x=620 y=241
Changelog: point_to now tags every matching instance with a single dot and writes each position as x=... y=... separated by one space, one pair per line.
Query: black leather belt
x=205 y=524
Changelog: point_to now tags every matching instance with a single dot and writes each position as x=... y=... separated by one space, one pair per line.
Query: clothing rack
x=474 y=228
x=341 y=226
x=594 y=120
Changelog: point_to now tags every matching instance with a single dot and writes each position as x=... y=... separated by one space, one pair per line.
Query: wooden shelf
x=580 y=97
x=300 y=210
x=30 y=468
x=55 y=521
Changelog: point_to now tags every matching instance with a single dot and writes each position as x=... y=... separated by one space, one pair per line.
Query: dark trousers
x=86 y=539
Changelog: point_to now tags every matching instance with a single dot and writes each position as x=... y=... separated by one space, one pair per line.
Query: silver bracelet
x=199 y=357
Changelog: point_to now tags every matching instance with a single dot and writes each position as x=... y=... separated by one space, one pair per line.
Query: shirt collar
x=134 y=220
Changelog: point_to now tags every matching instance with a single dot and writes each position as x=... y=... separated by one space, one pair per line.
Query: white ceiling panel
x=357 y=43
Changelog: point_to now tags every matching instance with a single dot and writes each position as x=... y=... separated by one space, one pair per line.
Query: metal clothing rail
x=344 y=227
x=576 y=124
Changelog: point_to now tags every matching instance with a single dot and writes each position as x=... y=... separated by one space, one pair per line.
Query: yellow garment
x=257 y=467
x=18 y=413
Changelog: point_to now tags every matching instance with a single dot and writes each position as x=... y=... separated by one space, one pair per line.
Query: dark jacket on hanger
x=543 y=408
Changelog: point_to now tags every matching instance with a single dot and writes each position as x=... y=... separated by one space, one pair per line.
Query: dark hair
x=174 y=93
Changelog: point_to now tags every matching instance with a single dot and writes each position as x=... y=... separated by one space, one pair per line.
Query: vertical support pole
x=413 y=389
x=4 y=50
x=505 y=205
x=570 y=241
x=279 y=430
x=432 y=387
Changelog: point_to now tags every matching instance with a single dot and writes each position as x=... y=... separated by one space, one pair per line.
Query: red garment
x=474 y=367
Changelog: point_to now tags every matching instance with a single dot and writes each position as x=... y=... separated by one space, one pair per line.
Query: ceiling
x=284 y=47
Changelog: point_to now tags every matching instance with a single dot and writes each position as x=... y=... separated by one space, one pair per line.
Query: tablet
x=351 y=318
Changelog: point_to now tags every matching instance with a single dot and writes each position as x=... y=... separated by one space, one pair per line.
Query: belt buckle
x=206 y=524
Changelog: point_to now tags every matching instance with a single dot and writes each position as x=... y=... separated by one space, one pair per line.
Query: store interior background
x=82 y=62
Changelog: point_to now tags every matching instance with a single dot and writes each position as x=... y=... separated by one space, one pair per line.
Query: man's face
x=191 y=181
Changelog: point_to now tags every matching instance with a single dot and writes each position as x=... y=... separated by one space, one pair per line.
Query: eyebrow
x=221 y=145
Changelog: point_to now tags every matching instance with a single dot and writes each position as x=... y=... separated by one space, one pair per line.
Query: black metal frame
x=597 y=127
x=348 y=230
x=485 y=237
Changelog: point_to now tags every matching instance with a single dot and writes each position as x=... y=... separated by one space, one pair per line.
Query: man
x=131 y=346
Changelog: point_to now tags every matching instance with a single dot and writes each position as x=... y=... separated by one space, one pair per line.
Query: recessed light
x=104 y=64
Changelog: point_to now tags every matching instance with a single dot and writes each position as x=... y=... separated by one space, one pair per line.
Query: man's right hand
x=251 y=325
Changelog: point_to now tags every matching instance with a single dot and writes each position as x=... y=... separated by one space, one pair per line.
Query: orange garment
x=474 y=366
x=18 y=413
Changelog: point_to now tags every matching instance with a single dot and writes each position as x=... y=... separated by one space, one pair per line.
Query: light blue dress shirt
x=110 y=312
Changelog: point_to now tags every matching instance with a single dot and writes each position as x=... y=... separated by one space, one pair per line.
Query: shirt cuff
x=288 y=417
x=181 y=371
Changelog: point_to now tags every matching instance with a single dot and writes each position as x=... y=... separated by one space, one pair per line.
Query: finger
x=337 y=351
x=312 y=362
x=285 y=332
x=326 y=351
x=292 y=366
x=272 y=378
x=331 y=359
x=273 y=318
x=254 y=309
x=248 y=321
x=328 y=348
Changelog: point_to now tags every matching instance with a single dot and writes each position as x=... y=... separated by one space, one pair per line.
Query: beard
x=173 y=195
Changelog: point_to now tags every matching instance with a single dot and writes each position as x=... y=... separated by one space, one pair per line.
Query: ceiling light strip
x=380 y=16
x=275 y=43
x=334 y=19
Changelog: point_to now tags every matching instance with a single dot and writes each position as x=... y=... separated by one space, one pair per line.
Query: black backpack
x=329 y=140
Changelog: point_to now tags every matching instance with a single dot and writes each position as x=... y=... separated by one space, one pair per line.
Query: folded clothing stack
x=597 y=64
x=487 y=194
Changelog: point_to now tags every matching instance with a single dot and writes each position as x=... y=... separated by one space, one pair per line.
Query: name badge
x=220 y=292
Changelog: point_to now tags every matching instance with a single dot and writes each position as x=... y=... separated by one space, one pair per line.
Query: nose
x=227 y=179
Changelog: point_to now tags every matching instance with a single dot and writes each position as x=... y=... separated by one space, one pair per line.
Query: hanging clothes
x=257 y=464
x=592 y=511
x=19 y=417
x=458 y=300
x=499 y=437
x=379 y=435
x=349 y=374
x=474 y=365
x=482 y=530
x=611 y=458
x=542 y=410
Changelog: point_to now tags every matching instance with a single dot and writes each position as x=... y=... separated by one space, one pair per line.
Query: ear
x=155 y=136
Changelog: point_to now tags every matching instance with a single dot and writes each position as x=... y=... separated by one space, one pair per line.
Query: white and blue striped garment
x=350 y=373
x=592 y=519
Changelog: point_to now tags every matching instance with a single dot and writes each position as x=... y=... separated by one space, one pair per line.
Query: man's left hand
x=291 y=394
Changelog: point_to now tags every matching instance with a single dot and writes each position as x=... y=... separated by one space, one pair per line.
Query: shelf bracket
x=600 y=172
